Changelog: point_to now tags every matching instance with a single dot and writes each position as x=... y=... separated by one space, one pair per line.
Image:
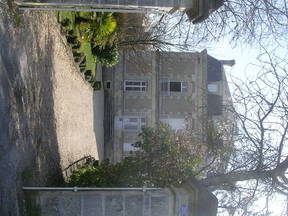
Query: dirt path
x=48 y=114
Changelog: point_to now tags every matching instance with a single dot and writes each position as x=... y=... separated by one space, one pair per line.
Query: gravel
x=49 y=116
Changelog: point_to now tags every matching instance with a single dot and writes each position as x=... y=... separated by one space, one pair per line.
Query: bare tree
x=239 y=20
x=258 y=165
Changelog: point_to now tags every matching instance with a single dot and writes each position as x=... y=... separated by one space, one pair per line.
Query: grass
x=90 y=59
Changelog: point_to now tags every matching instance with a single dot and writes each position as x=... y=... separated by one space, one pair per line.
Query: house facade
x=148 y=87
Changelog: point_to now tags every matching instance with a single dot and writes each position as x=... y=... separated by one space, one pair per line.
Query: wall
x=153 y=104
x=112 y=203
x=187 y=199
x=162 y=4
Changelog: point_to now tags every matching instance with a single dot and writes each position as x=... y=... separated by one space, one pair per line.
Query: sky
x=245 y=57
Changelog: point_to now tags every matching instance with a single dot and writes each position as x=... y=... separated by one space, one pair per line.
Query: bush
x=122 y=174
x=71 y=39
x=107 y=24
x=167 y=157
x=88 y=73
x=96 y=27
x=85 y=31
x=108 y=56
x=66 y=22
x=83 y=62
x=97 y=85
x=164 y=158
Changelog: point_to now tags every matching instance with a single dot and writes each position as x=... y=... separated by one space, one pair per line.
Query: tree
x=259 y=161
x=166 y=157
x=146 y=31
x=246 y=21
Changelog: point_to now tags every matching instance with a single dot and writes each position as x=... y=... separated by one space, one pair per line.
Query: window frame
x=108 y=82
x=184 y=88
x=129 y=121
x=143 y=84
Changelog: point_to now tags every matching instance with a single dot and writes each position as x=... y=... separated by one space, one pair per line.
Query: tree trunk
x=231 y=178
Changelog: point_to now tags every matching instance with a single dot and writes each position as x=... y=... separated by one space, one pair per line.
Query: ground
x=49 y=115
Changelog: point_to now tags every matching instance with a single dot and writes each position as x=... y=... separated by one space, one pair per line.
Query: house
x=197 y=10
x=148 y=87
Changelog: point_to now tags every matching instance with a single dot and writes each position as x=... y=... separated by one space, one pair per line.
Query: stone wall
x=109 y=203
x=187 y=199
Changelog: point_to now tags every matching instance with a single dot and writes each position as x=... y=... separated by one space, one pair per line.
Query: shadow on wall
x=28 y=143
x=98 y=111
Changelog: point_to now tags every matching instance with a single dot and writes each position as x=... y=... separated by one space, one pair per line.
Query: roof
x=203 y=9
x=214 y=69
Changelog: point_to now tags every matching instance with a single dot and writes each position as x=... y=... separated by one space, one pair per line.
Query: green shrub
x=105 y=174
x=83 y=62
x=89 y=78
x=107 y=24
x=70 y=32
x=97 y=85
x=88 y=73
x=76 y=46
x=108 y=56
x=95 y=27
x=76 y=54
x=66 y=22
x=77 y=59
x=85 y=15
x=71 y=39
x=85 y=31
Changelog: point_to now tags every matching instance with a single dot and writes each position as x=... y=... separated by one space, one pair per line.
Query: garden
x=91 y=36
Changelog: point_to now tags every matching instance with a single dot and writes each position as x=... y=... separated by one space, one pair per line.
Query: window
x=128 y=149
x=133 y=123
x=135 y=85
x=213 y=88
x=174 y=86
x=108 y=84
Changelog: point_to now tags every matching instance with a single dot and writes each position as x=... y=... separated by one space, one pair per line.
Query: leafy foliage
x=164 y=158
x=96 y=27
x=106 y=175
x=167 y=157
x=108 y=56
x=87 y=30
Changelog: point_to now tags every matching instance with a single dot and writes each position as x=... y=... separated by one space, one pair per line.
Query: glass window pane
x=212 y=87
x=130 y=127
x=175 y=86
x=133 y=119
x=132 y=85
